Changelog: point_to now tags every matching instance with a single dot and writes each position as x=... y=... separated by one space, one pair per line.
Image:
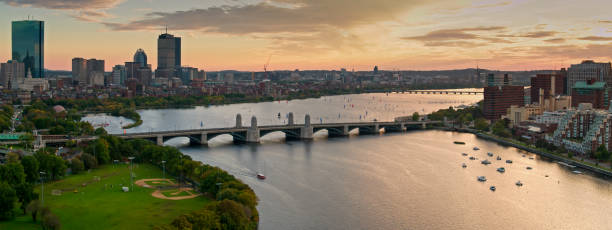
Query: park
x=95 y=200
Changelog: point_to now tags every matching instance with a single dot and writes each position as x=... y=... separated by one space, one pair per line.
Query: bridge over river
x=253 y=133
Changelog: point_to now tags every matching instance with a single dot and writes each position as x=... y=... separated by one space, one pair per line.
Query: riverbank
x=522 y=146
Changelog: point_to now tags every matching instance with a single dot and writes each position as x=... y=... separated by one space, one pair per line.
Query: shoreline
x=566 y=160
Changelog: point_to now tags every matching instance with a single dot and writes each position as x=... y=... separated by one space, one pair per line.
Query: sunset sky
x=319 y=34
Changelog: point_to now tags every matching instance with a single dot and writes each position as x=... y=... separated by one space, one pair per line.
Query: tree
x=499 y=129
x=481 y=124
x=182 y=222
x=30 y=168
x=76 y=165
x=415 y=116
x=33 y=208
x=51 y=221
x=50 y=163
x=99 y=149
x=26 y=140
x=89 y=161
x=12 y=174
x=602 y=153
x=232 y=215
x=8 y=197
x=204 y=219
x=25 y=194
x=100 y=131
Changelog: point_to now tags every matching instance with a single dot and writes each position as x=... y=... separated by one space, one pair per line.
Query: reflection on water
x=410 y=180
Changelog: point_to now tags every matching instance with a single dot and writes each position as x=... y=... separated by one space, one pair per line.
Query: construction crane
x=266 y=67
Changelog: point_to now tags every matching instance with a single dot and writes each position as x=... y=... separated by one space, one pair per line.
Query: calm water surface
x=411 y=180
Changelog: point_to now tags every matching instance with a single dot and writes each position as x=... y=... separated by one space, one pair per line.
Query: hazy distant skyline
x=318 y=34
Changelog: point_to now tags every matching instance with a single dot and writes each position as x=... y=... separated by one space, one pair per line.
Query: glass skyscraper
x=28 y=39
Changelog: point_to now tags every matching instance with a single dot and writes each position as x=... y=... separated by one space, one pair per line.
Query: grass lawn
x=100 y=206
x=160 y=183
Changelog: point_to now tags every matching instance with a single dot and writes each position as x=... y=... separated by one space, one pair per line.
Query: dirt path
x=142 y=182
x=160 y=195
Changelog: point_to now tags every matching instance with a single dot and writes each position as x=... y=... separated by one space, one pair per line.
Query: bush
x=77 y=166
x=51 y=221
x=8 y=197
x=89 y=161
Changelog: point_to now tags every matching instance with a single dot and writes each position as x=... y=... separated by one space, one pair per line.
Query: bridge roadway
x=252 y=134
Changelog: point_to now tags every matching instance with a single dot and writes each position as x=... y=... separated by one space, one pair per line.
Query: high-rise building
x=168 y=55
x=497 y=100
x=130 y=69
x=118 y=75
x=95 y=68
x=28 y=45
x=589 y=70
x=140 y=57
x=10 y=72
x=144 y=75
x=594 y=92
x=79 y=70
x=552 y=84
x=499 y=79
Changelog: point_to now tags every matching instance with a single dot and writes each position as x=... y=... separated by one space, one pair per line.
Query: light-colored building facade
x=10 y=72
x=118 y=75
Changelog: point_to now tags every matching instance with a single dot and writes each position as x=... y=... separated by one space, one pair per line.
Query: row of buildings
x=568 y=108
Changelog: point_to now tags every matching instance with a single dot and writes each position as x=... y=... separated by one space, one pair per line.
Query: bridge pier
x=204 y=138
x=160 y=140
x=290 y=119
x=306 y=132
x=253 y=132
x=424 y=125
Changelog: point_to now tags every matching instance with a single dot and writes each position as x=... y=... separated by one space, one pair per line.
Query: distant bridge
x=253 y=133
x=443 y=92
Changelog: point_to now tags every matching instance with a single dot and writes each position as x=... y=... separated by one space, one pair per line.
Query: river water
x=411 y=180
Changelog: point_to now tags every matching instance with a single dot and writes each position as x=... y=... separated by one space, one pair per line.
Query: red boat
x=261 y=176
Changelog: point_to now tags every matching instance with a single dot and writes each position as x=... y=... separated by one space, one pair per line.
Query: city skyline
x=242 y=35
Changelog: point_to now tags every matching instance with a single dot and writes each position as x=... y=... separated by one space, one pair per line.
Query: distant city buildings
x=118 y=75
x=499 y=79
x=552 y=84
x=87 y=72
x=589 y=70
x=168 y=56
x=28 y=46
x=140 y=57
x=10 y=72
x=591 y=91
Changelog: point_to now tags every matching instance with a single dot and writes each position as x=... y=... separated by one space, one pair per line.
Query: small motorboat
x=501 y=170
x=485 y=162
x=482 y=178
x=490 y=154
x=577 y=172
x=492 y=188
x=509 y=161
x=464 y=154
x=498 y=158
x=519 y=183
x=463 y=165
x=459 y=142
x=529 y=168
x=261 y=176
x=472 y=158
x=476 y=148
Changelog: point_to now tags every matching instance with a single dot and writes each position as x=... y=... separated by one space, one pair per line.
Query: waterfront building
x=583 y=130
x=589 y=70
x=499 y=79
x=592 y=92
x=550 y=117
x=10 y=72
x=118 y=75
x=168 y=55
x=141 y=57
x=28 y=46
x=517 y=114
x=552 y=84
x=497 y=100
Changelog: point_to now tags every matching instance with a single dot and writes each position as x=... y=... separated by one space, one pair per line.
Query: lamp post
x=164 y=168
x=42 y=188
x=131 y=179
x=181 y=171
x=115 y=162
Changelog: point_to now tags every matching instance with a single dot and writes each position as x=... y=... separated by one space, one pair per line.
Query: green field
x=102 y=204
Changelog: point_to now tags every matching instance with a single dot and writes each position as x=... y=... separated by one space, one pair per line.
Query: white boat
x=492 y=188
x=476 y=148
x=519 y=183
x=482 y=178
x=463 y=165
x=577 y=172
x=501 y=170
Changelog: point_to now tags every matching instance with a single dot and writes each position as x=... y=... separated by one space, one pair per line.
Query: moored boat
x=482 y=178
x=492 y=188
x=459 y=142
x=501 y=169
x=261 y=176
